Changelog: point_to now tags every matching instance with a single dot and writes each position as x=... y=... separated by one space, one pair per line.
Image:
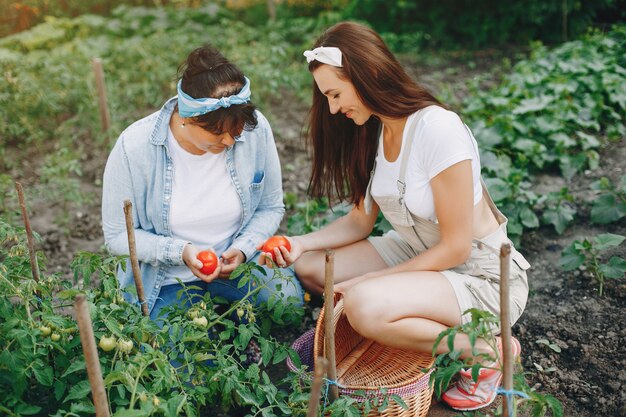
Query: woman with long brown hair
x=383 y=143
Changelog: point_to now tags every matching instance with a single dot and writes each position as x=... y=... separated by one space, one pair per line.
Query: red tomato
x=209 y=261
x=275 y=242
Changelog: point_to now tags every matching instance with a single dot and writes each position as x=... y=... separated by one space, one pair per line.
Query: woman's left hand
x=231 y=259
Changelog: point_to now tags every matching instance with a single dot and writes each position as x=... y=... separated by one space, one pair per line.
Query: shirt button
x=167 y=198
x=169 y=168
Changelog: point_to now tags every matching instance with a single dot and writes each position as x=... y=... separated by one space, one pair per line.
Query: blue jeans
x=287 y=289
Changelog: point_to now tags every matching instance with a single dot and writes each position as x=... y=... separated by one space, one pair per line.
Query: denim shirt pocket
x=256 y=189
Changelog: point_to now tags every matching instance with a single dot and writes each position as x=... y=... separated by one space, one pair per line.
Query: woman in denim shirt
x=201 y=173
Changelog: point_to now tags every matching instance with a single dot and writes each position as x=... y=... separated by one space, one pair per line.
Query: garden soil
x=587 y=374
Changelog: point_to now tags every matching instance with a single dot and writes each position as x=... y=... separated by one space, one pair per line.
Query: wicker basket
x=366 y=366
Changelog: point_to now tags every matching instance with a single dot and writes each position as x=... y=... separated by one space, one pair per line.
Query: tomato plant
x=275 y=242
x=209 y=261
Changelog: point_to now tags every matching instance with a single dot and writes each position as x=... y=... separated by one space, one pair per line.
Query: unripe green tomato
x=143 y=397
x=107 y=344
x=55 y=337
x=202 y=305
x=156 y=401
x=193 y=313
x=240 y=312
x=201 y=321
x=125 y=346
x=45 y=330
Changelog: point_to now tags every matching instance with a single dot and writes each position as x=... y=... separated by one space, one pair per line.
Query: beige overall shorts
x=476 y=282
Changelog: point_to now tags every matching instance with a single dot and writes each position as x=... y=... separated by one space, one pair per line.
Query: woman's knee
x=362 y=311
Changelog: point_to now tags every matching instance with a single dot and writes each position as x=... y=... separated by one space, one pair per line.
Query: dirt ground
x=588 y=375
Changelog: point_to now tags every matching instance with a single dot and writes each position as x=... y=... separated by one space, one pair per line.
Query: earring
x=182 y=124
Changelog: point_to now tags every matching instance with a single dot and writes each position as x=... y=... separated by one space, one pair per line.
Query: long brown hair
x=343 y=152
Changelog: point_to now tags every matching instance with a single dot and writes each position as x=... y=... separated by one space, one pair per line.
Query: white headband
x=327 y=55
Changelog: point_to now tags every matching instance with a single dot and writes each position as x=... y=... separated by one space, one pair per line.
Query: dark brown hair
x=343 y=152
x=207 y=73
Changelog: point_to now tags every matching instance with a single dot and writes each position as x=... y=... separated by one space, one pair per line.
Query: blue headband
x=192 y=107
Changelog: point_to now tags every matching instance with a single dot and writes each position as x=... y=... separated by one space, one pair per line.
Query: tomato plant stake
x=329 y=313
x=29 y=234
x=321 y=364
x=94 y=372
x=130 y=230
x=505 y=325
x=102 y=94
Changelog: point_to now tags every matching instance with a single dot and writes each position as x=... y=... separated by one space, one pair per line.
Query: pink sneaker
x=468 y=395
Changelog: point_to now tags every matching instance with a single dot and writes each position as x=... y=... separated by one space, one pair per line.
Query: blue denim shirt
x=139 y=168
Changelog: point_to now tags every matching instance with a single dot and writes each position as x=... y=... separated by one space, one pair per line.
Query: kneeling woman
x=383 y=143
x=201 y=173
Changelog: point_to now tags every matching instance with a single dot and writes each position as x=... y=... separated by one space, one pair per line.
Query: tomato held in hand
x=209 y=262
x=275 y=242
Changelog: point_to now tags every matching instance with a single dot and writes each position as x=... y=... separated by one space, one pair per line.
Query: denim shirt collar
x=160 y=133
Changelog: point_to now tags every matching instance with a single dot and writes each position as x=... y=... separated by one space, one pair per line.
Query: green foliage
x=195 y=360
x=481 y=326
x=466 y=23
x=610 y=205
x=558 y=209
x=590 y=254
x=551 y=113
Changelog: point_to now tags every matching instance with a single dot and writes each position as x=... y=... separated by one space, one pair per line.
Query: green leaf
x=607 y=209
x=533 y=104
x=528 y=218
x=571 y=258
x=615 y=268
x=129 y=413
x=607 y=240
x=27 y=409
x=498 y=189
x=44 y=375
x=79 y=391
x=560 y=217
x=78 y=365
x=400 y=401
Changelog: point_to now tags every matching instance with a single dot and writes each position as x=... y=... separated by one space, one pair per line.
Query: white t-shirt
x=441 y=140
x=205 y=208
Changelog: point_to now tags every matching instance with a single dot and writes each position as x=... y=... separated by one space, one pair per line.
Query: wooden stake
x=34 y=266
x=329 y=325
x=130 y=230
x=94 y=372
x=102 y=94
x=321 y=365
x=271 y=10
x=505 y=326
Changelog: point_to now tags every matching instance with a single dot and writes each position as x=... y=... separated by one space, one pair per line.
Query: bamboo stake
x=102 y=94
x=130 y=230
x=329 y=313
x=321 y=364
x=34 y=266
x=94 y=372
x=505 y=326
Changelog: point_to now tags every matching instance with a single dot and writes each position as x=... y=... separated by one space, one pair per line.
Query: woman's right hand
x=283 y=257
x=190 y=257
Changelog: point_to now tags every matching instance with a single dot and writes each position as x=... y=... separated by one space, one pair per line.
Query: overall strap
x=501 y=218
x=406 y=152
x=367 y=200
